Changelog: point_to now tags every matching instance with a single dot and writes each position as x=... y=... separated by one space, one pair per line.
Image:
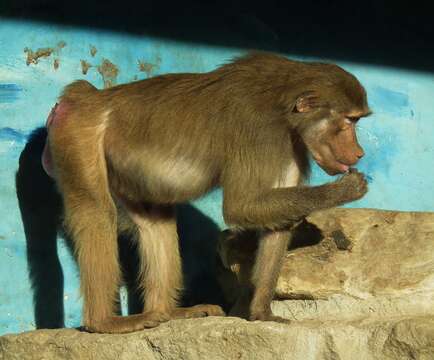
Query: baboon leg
x=90 y=213
x=269 y=258
x=160 y=275
x=161 y=270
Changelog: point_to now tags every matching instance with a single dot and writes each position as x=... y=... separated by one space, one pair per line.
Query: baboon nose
x=360 y=153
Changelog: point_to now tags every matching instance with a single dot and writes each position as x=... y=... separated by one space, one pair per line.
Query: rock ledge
x=233 y=338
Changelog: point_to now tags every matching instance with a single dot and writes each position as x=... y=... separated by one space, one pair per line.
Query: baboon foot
x=126 y=324
x=197 y=311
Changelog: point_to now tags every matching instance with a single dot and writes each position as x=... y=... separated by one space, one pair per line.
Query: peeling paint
x=56 y=64
x=33 y=57
x=148 y=67
x=93 y=50
x=85 y=66
x=109 y=73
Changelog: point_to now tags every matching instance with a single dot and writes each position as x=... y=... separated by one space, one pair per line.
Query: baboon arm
x=279 y=208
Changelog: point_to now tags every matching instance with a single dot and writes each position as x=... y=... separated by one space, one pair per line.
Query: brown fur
x=246 y=127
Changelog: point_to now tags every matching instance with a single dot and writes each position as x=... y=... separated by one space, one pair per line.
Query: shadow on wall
x=384 y=32
x=41 y=211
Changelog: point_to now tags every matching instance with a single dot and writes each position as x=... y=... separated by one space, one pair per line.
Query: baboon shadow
x=41 y=211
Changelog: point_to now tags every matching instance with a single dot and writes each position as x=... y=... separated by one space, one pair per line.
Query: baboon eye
x=351 y=119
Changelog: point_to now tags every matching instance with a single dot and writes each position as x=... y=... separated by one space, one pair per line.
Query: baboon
x=123 y=157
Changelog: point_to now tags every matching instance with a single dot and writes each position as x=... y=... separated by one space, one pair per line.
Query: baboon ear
x=306 y=102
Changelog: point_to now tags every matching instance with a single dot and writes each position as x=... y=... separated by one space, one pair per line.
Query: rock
x=232 y=338
x=364 y=253
x=365 y=263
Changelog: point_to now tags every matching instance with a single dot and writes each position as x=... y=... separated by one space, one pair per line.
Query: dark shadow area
x=198 y=236
x=244 y=245
x=379 y=32
x=40 y=207
x=41 y=211
x=305 y=234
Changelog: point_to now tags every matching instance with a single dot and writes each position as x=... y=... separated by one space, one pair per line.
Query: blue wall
x=398 y=138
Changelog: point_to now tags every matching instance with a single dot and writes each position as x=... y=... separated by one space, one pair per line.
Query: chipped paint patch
x=148 y=67
x=56 y=64
x=33 y=57
x=85 y=66
x=9 y=93
x=109 y=73
x=93 y=50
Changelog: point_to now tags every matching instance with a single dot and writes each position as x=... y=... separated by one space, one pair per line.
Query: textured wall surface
x=37 y=60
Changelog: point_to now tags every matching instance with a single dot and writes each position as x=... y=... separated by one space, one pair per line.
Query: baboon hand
x=352 y=186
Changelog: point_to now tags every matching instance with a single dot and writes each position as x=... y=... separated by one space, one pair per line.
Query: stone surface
x=365 y=263
x=232 y=338
x=365 y=290
x=364 y=253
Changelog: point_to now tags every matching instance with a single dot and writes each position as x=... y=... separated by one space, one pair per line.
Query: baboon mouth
x=330 y=164
x=332 y=167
